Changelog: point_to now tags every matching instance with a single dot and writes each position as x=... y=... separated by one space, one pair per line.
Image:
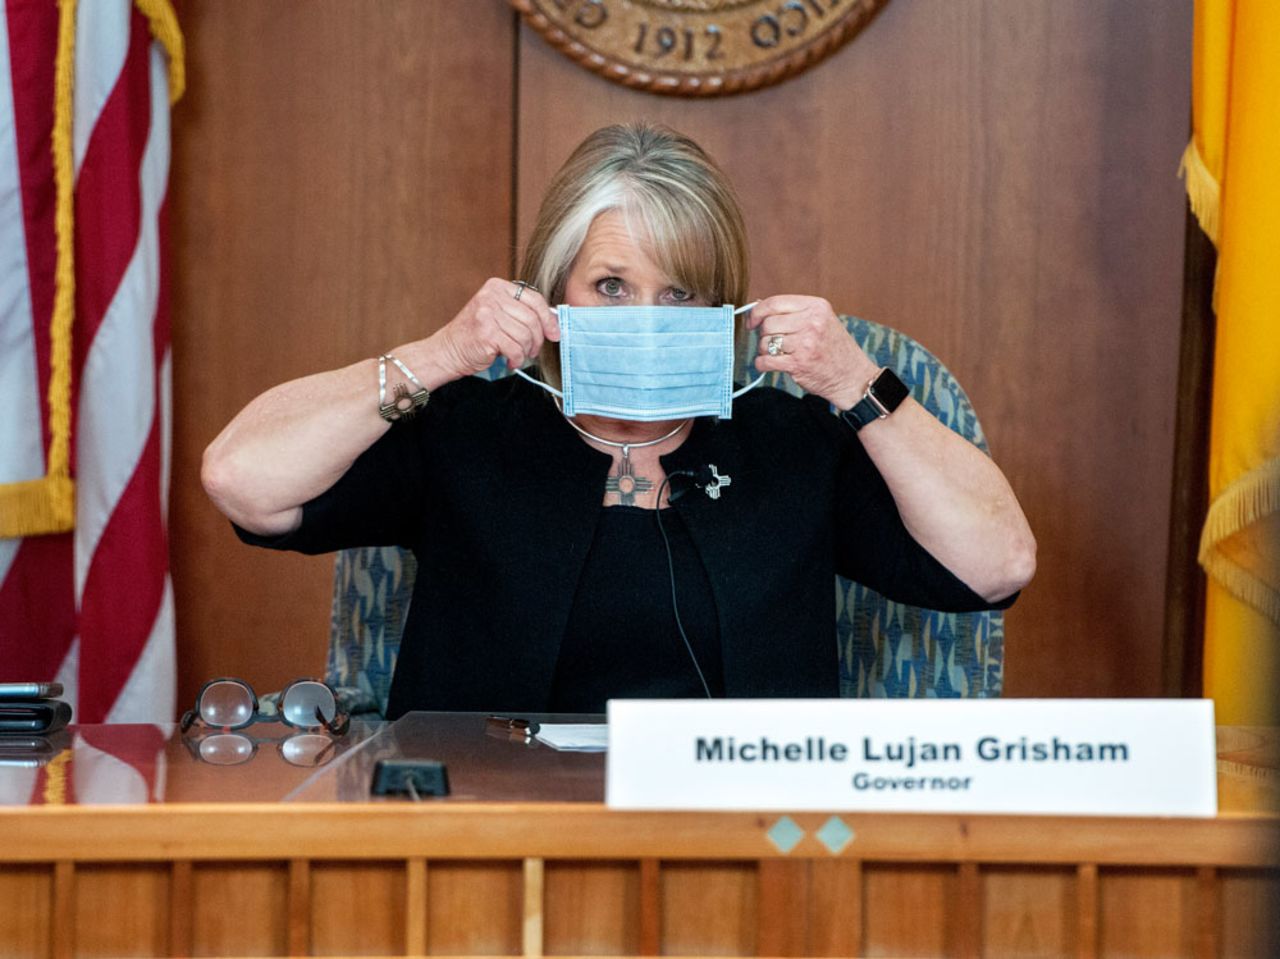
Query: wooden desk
x=501 y=874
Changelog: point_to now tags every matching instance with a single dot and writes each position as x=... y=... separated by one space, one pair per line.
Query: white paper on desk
x=574 y=737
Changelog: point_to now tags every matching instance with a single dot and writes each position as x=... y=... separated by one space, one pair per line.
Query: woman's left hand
x=952 y=498
x=812 y=346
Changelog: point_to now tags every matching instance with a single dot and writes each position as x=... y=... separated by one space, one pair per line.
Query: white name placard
x=1122 y=757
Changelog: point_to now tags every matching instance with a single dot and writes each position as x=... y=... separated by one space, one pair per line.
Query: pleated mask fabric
x=647 y=363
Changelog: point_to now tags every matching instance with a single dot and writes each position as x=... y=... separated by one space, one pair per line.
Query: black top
x=499 y=499
x=622 y=640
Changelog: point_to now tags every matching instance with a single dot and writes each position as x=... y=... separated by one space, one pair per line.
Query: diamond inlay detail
x=785 y=834
x=835 y=835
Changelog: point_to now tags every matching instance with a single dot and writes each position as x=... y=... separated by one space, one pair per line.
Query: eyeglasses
x=232 y=704
x=228 y=704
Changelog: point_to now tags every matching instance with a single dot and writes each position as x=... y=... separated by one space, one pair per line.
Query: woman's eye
x=679 y=295
x=610 y=286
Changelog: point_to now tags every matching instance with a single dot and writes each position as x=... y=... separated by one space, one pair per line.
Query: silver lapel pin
x=712 y=488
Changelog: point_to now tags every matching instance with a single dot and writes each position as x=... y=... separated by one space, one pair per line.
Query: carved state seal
x=697 y=47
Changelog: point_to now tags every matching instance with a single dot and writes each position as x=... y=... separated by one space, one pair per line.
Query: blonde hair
x=670 y=193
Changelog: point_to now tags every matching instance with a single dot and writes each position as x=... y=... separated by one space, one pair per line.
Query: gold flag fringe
x=47 y=505
x=1203 y=190
x=34 y=507
x=1248 y=500
x=164 y=27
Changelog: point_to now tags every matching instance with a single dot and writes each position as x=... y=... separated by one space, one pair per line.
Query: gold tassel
x=1203 y=191
x=1248 y=500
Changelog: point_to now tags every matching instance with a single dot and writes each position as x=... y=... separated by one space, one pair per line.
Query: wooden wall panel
x=1146 y=913
x=475 y=908
x=26 y=899
x=1028 y=911
x=836 y=908
x=709 y=908
x=996 y=178
x=240 y=909
x=591 y=908
x=920 y=930
x=121 y=910
x=1249 y=904
x=783 y=896
x=373 y=890
x=341 y=184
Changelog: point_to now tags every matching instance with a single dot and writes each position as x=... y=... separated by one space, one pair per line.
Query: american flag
x=85 y=594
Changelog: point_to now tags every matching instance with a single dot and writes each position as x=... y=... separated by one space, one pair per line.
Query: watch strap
x=884 y=395
x=865 y=411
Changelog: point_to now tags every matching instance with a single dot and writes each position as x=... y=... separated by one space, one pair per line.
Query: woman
x=565 y=561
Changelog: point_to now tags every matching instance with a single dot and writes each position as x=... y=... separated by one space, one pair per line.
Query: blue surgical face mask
x=647 y=362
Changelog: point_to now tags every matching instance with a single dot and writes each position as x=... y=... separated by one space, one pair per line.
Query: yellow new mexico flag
x=1232 y=168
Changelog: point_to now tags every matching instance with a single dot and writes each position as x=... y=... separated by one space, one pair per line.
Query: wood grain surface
x=273 y=879
x=997 y=180
x=341 y=184
x=994 y=177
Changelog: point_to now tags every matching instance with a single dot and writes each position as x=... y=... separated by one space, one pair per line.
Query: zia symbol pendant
x=626 y=484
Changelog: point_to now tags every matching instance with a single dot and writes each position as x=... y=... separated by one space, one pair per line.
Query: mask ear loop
x=546 y=386
x=759 y=379
x=550 y=389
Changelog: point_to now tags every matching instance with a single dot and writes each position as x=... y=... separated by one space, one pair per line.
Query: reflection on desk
x=134 y=764
x=128 y=764
x=485 y=764
x=155 y=763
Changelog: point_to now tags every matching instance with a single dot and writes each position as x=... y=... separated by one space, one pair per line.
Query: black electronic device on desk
x=32 y=709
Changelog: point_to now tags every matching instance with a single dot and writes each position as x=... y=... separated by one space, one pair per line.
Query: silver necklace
x=626 y=484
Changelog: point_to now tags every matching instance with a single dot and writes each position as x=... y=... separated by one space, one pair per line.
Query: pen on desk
x=508 y=724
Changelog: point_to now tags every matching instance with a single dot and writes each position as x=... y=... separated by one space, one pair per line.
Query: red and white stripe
x=111 y=575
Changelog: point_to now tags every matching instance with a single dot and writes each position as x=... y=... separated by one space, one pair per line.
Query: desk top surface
x=140 y=764
x=270 y=762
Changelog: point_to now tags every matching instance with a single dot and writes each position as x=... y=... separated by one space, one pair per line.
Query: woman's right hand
x=296 y=440
x=494 y=323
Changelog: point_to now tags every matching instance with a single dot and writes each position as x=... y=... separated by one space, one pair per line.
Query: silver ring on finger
x=775 y=345
x=521 y=286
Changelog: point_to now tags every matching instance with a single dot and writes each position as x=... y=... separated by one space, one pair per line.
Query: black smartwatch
x=883 y=396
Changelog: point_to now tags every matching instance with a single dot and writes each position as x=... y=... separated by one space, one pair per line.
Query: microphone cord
x=671 y=569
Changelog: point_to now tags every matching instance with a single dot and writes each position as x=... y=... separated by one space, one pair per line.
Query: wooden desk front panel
x=164 y=890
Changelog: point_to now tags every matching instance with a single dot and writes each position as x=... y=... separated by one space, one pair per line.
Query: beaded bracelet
x=403 y=402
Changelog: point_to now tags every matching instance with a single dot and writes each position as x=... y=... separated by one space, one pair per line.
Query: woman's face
x=612 y=269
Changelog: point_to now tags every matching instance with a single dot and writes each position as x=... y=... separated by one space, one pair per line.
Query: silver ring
x=521 y=286
x=775 y=345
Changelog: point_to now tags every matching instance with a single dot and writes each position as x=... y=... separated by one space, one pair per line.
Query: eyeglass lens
x=226 y=703
x=302 y=701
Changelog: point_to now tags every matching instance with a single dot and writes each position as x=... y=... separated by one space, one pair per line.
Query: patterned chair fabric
x=886 y=649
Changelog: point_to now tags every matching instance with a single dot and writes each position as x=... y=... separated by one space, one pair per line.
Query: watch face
x=889 y=390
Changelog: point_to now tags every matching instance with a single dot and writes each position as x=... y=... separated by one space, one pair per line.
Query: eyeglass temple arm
x=338 y=725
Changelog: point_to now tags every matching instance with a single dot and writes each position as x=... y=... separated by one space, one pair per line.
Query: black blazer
x=498 y=498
